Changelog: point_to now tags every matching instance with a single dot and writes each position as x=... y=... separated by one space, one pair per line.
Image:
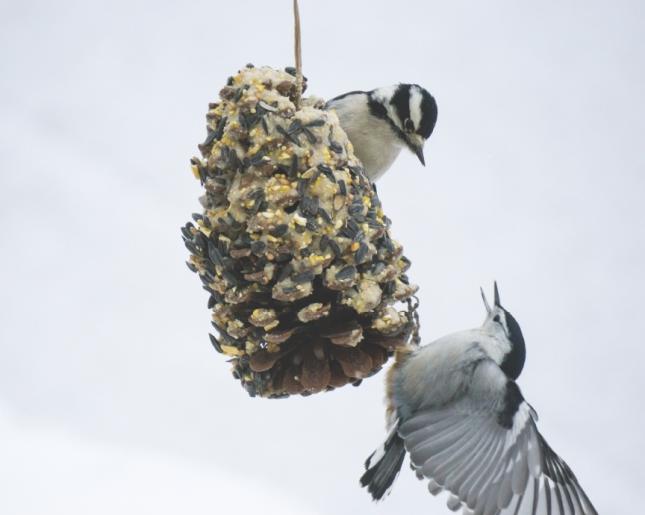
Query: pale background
x=111 y=397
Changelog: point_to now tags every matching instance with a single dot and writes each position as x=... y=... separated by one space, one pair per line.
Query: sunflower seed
x=214 y=254
x=335 y=147
x=319 y=122
x=258 y=247
x=346 y=273
x=361 y=253
x=267 y=107
x=279 y=230
x=303 y=277
x=215 y=343
x=285 y=272
x=311 y=137
x=342 y=187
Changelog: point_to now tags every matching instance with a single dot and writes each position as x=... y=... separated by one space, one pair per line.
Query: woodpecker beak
x=497 y=302
x=415 y=143
x=488 y=310
x=419 y=153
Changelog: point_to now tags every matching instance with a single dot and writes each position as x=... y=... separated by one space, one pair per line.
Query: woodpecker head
x=502 y=325
x=411 y=112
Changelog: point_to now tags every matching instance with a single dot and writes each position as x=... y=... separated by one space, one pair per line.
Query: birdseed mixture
x=292 y=244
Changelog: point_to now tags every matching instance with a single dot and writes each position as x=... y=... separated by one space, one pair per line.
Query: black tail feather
x=379 y=476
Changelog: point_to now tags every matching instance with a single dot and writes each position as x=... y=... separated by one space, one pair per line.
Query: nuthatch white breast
x=455 y=407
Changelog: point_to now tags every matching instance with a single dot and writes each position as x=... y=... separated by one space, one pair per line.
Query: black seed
x=200 y=240
x=346 y=273
x=356 y=170
x=220 y=128
x=257 y=158
x=258 y=247
x=311 y=137
x=230 y=277
x=303 y=277
x=290 y=137
x=211 y=302
x=215 y=343
x=378 y=268
x=355 y=207
x=197 y=217
x=314 y=176
x=192 y=247
x=324 y=242
x=265 y=126
x=256 y=194
x=285 y=272
x=279 y=230
x=306 y=252
x=335 y=248
x=185 y=231
x=309 y=205
x=388 y=288
x=250 y=65
x=290 y=70
x=302 y=186
x=294 y=166
x=361 y=253
x=342 y=187
x=230 y=81
x=295 y=127
x=238 y=95
x=335 y=147
x=311 y=225
x=316 y=123
x=329 y=173
x=324 y=215
x=214 y=254
x=227 y=263
x=209 y=138
x=243 y=120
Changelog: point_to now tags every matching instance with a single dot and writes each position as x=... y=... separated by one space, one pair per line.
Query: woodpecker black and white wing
x=485 y=450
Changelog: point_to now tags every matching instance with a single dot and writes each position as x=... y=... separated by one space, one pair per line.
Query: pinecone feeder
x=292 y=245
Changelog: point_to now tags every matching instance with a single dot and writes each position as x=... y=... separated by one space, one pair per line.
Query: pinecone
x=293 y=245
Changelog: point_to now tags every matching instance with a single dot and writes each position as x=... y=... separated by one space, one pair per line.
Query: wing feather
x=487 y=452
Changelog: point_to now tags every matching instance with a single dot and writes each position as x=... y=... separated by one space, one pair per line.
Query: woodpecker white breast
x=382 y=121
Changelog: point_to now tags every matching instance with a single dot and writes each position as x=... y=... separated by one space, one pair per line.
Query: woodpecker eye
x=408 y=125
x=496 y=319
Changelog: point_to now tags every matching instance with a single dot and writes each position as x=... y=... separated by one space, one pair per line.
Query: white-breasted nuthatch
x=382 y=121
x=455 y=407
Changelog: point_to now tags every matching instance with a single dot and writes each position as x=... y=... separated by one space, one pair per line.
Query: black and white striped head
x=410 y=110
x=503 y=325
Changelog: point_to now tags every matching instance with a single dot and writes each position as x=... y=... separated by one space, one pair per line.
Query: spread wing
x=486 y=450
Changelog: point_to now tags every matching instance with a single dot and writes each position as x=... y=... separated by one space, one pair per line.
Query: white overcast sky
x=111 y=398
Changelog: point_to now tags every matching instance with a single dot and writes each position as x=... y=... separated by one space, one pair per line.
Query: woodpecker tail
x=383 y=465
